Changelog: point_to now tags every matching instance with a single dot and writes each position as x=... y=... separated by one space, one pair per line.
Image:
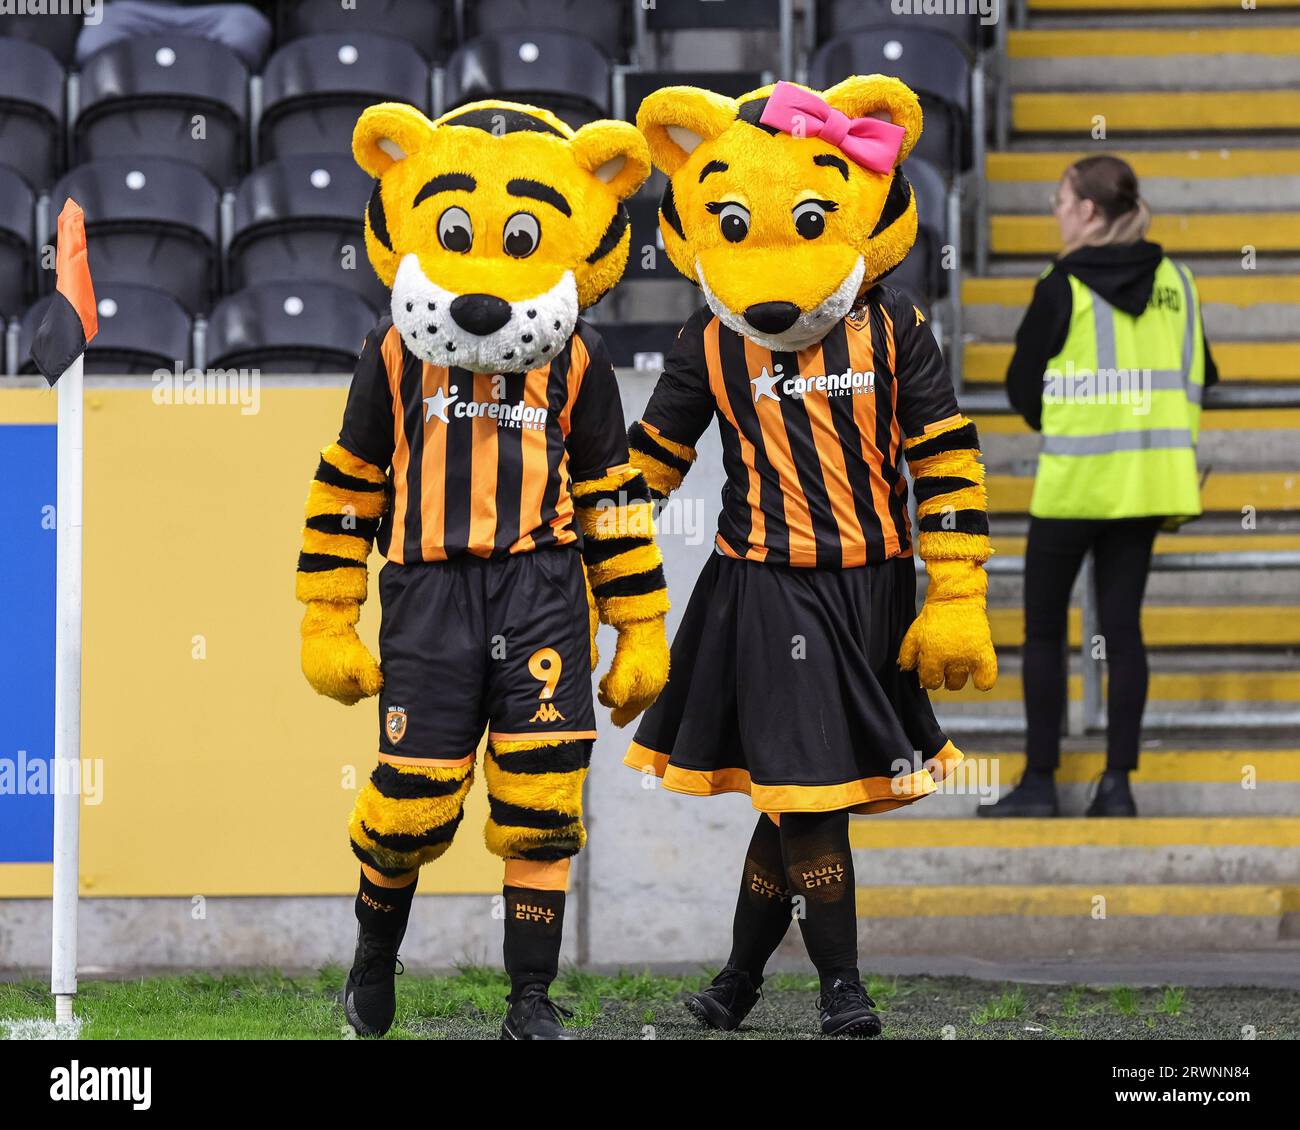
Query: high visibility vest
x=1122 y=407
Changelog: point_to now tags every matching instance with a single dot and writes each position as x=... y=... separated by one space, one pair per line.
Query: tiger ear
x=883 y=97
x=386 y=133
x=676 y=119
x=613 y=152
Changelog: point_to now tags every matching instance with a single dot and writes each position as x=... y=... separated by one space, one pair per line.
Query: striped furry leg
x=407 y=815
x=535 y=799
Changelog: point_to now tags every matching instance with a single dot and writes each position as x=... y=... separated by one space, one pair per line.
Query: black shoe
x=726 y=1002
x=534 y=1016
x=1113 y=796
x=369 y=997
x=1035 y=796
x=847 y=1011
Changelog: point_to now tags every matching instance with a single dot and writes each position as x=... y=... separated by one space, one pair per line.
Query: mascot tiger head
x=495 y=225
x=785 y=205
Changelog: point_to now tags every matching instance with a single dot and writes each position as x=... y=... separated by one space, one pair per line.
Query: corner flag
x=68 y=326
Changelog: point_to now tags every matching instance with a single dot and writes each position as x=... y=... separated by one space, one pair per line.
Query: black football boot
x=1113 y=797
x=726 y=1002
x=846 y=1010
x=370 y=997
x=1035 y=796
x=532 y=1015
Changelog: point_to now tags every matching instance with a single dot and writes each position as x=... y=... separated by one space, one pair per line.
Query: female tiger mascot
x=795 y=670
x=484 y=445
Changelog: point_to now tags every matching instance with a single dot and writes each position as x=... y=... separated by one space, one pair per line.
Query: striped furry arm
x=952 y=505
x=346 y=501
x=662 y=462
x=616 y=515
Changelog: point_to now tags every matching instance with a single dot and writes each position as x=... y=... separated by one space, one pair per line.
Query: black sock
x=384 y=910
x=534 y=927
x=819 y=865
x=763 y=908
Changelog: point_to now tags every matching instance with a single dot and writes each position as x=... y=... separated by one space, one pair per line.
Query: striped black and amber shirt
x=482 y=463
x=812 y=441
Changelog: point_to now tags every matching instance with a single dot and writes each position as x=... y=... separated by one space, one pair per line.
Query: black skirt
x=785 y=686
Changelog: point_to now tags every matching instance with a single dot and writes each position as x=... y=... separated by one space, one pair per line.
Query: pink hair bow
x=868 y=142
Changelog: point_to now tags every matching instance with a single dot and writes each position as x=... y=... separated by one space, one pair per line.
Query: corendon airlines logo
x=848 y=383
x=446 y=403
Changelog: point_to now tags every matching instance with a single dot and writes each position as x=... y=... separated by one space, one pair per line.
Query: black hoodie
x=1123 y=274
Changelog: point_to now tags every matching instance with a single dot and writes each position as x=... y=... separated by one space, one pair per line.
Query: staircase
x=1202 y=98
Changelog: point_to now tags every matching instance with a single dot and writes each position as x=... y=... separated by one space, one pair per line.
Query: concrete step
x=1013 y=545
x=1128 y=8
x=1234 y=54
x=1168 y=783
x=1182 y=180
x=1214 y=233
x=1180 y=626
x=1273 y=362
x=1237 y=306
x=1265 y=492
x=1064 y=112
x=993 y=919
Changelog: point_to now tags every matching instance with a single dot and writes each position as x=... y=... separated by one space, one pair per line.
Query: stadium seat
x=638 y=345
x=933 y=64
x=717 y=36
x=56 y=33
x=31 y=112
x=289 y=327
x=314 y=89
x=637 y=85
x=17 y=241
x=141 y=329
x=921 y=274
x=835 y=17
x=565 y=73
x=689 y=15
x=239 y=26
x=647 y=258
x=427 y=25
x=166 y=96
x=607 y=23
x=150 y=221
x=301 y=218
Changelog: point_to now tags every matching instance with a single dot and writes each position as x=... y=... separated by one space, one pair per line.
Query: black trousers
x=1122 y=556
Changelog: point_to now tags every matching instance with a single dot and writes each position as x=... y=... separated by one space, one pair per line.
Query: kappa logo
x=848 y=383
x=822 y=876
x=446 y=403
x=547 y=712
x=395 y=724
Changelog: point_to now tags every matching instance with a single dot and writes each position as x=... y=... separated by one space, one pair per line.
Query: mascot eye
x=522 y=235
x=455 y=232
x=734 y=220
x=810 y=219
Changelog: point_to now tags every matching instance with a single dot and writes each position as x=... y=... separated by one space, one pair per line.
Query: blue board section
x=27 y=497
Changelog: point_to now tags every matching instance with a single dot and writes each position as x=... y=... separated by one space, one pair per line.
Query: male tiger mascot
x=799 y=667
x=484 y=446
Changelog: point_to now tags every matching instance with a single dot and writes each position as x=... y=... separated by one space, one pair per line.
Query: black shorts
x=473 y=642
x=784 y=684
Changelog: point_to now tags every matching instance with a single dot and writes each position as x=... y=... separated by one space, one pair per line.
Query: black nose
x=481 y=314
x=772 y=317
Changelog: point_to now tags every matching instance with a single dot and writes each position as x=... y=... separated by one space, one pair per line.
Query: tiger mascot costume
x=799 y=667
x=484 y=446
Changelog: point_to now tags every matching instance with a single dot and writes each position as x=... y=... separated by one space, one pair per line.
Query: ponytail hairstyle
x=1112 y=186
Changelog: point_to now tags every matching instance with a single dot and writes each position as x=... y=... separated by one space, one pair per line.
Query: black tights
x=802 y=870
x=1054 y=553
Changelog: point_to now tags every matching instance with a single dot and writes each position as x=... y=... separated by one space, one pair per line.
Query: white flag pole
x=67 y=693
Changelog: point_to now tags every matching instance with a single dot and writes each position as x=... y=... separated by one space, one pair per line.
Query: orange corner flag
x=71 y=321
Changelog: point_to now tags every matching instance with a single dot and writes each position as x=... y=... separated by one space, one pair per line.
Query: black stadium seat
x=647 y=258
x=565 y=73
x=638 y=345
x=427 y=25
x=301 y=218
x=17 y=240
x=166 y=96
x=638 y=84
x=31 y=111
x=685 y=15
x=289 y=327
x=835 y=17
x=141 y=330
x=151 y=221
x=933 y=64
x=55 y=32
x=314 y=89
x=921 y=274
x=607 y=23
